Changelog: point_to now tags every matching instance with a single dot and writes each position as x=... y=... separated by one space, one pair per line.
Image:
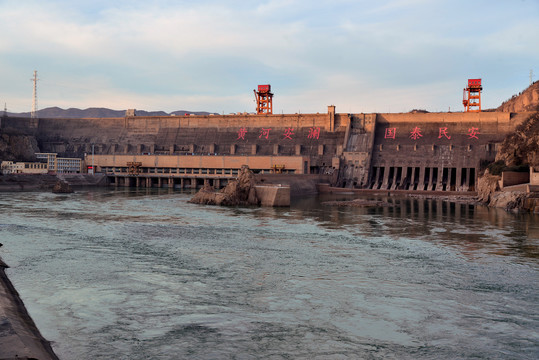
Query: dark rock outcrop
x=61 y=187
x=522 y=147
x=509 y=200
x=486 y=186
x=18 y=147
x=238 y=192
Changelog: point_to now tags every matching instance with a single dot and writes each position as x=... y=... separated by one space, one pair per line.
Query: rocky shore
x=19 y=336
x=490 y=194
x=518 y=150
x=47 y=182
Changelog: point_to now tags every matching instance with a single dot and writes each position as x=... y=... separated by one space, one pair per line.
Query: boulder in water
x=240 y=191
x=61 y=187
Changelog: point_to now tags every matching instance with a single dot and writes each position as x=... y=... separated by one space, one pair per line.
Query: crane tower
x=264 y=100
x=471 y=98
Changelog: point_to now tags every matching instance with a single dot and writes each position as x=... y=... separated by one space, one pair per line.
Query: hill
x=522 y=147
x=73 y=113
x=528 y=100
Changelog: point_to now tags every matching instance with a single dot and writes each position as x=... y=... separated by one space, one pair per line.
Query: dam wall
x=317 y=135
x=435 y=151
x=407 y=151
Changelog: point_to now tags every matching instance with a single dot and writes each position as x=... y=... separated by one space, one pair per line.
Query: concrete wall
x=357 y=157
x=284 y=163
x=300 y=185
x=319 y=136
x=154 y=123
x=273 y=195
x=534 y=176
x=364 y=150
x=510 y=178
x=435 y=151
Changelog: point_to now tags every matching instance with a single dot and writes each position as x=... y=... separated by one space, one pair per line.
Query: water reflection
x=471 y=228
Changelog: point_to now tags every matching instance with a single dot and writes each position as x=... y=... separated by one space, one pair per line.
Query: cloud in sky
x=362 y=56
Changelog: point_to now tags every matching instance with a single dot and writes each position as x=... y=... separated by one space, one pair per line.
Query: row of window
x=35 y=165
x=116 y=170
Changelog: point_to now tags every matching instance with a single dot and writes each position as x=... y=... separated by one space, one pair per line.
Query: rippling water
x=144 y=275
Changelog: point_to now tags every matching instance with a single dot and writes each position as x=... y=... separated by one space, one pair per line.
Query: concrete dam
x=402 y=151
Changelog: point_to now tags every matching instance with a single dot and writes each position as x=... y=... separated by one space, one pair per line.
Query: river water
x=125 y=274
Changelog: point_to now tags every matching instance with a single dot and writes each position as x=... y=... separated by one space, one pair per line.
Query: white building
x=11 y=167
x=61 y=165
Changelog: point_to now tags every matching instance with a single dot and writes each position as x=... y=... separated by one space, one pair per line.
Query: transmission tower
x=531 y=77
x=34 y=101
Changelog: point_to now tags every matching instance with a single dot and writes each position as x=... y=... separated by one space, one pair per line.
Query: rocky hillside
x=528 y=100
x=522 y=147
x=519 y=149
x=18 y=147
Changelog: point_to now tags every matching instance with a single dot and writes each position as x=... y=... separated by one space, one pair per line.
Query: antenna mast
x=34 y=100
x=531 y=77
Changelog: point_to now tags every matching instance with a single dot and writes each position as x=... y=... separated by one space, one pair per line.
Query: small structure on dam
x=471 y=98
x=264 y=100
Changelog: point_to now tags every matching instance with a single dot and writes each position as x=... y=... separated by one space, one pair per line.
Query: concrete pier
x=19 y=336
x=273 y=195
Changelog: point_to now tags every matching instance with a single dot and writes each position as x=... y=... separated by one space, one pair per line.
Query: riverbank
x=32 y=182
x=19 y=336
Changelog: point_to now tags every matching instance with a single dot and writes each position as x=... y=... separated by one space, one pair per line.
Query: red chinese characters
x=241 y=133
x=314 y=133
x=473 y=132
x=416 y=133
x=390 y=133
x=264 y=133
x=288 y=133
x=443 y=133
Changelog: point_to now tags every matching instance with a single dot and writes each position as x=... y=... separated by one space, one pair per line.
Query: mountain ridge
x=97 y=112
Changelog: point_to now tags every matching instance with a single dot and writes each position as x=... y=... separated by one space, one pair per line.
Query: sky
x=209 y=55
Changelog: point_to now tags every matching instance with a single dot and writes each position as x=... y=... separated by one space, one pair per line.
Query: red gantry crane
x=264 y=100
x=471 y=98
